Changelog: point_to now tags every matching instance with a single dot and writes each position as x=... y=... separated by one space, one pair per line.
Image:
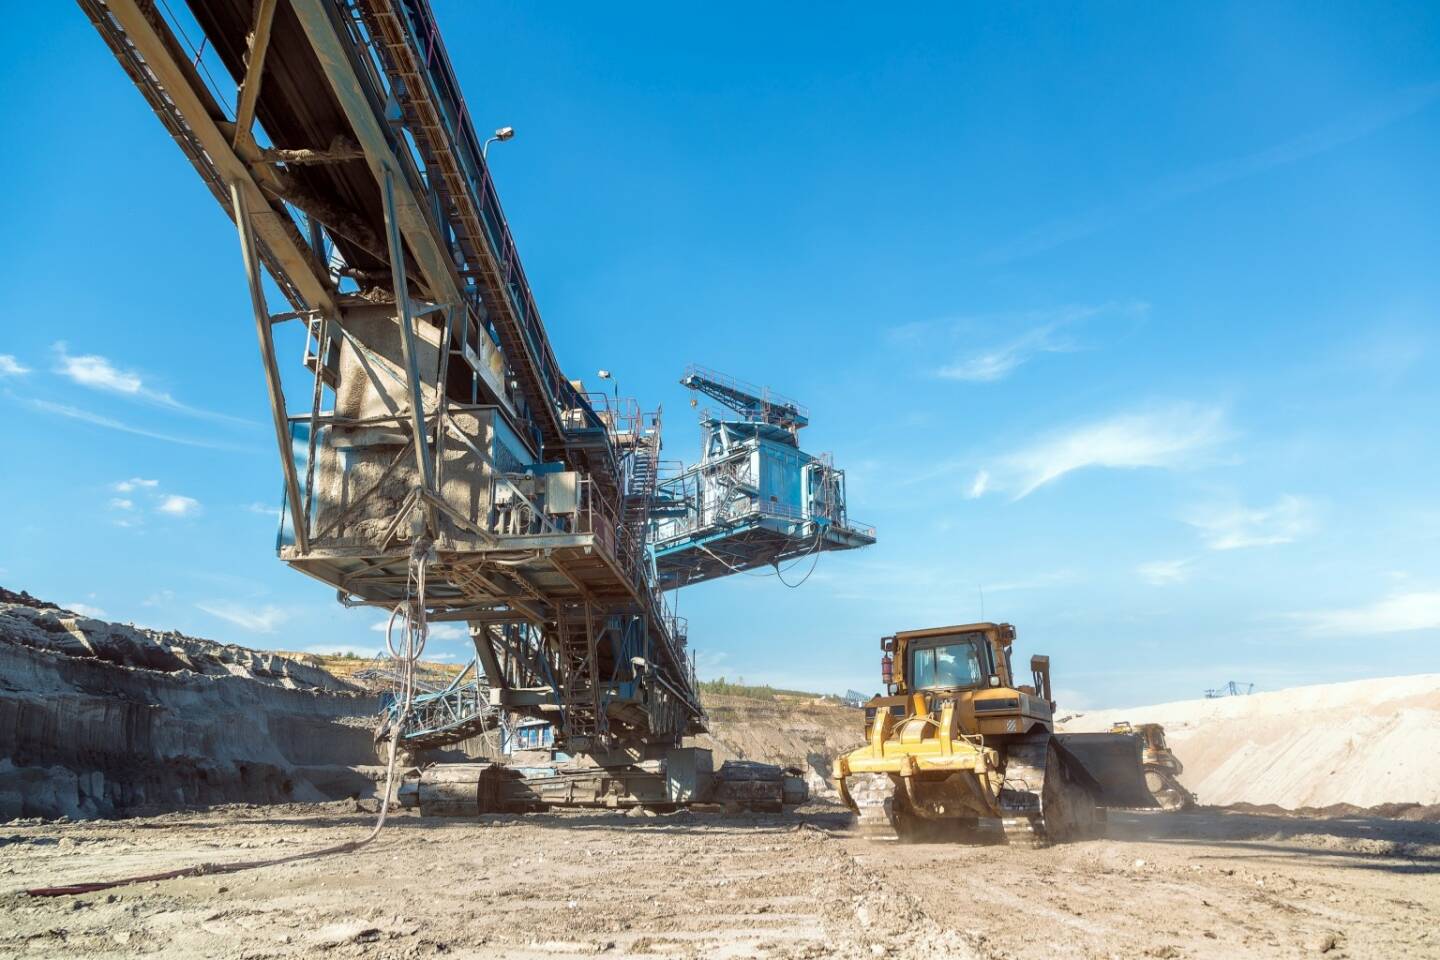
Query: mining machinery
x=437 y=463
x=958 y=748
x=754 y=499
x=1162 y=767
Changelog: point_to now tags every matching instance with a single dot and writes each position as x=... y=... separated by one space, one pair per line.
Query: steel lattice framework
x=438 y=421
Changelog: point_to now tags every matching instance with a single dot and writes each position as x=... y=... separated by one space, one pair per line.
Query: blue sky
x=1122 y=317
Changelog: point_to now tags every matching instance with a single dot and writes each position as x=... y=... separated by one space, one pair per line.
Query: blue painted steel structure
x=755 y=499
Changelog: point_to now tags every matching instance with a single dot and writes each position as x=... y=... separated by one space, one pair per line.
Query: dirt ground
x=1204 y=884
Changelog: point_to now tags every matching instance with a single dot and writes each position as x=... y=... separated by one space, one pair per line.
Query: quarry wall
x=101 y=719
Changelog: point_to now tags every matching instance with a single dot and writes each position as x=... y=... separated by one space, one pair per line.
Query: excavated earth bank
x=101 y=719
x=806 y=733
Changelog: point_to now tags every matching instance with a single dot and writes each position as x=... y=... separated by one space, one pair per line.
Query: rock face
x=100 y=719
x=805 y=733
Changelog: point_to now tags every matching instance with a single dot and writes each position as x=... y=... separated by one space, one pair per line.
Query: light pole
x=503 y=134
x=607 y=375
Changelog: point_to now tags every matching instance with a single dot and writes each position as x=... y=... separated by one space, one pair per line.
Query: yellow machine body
x=957 y=742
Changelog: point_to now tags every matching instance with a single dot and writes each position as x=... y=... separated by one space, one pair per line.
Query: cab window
x=947 y=665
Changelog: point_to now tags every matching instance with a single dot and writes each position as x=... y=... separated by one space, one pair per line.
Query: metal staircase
x=584 y=722
x=644 y=477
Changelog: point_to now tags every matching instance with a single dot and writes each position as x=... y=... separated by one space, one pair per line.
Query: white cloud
x=1398 y=612
x=262 y=620
x=135 y=483
x=84 y=609
x=1164 y=573
x=1231 y=527
x=1044 y=331
x=996 y=363
x=263 y=509
x=1168 y=437
x=120 y=503
x=10 y=367
x=178 y=506
x=98 y=373
x=159 y=599
x=979 y=485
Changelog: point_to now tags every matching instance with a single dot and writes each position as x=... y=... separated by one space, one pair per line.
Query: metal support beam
x=485 y=652
x=251 y=258
x=437 y=267
x=254 y=73
x=407 y=333
x=278 y=235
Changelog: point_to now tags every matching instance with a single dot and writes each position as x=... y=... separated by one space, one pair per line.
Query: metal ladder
x=584 y=711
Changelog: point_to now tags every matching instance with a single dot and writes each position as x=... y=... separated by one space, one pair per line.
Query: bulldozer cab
x=972 y=656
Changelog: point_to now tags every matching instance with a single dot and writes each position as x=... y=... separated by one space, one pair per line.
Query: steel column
x=251 y=258
x=407 y=332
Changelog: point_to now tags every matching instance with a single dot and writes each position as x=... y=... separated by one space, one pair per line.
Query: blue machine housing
x=755 y=499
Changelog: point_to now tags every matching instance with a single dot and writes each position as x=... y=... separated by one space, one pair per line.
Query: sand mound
x=1364 y=743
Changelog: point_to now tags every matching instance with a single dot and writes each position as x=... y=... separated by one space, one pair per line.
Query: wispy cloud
x=110 y=423
x=978 y=485
x=1339 y=132
x=99 y=373
x=263 y=509
x=998 y=362
x=84 y=609
x=256 y=620
x=1232 y=527
x=1164 y=437
x=10 y=367
x=1010 y=340
x=1165 y=573
x=133 y=484
x=1399 y=612
x=122 y=503
x=1045 y=331
x=175 y=505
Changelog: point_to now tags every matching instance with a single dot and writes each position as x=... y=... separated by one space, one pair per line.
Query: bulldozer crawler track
x=1166 y=789
x=873 y=795
x=1025 y=763
x=1045 y=798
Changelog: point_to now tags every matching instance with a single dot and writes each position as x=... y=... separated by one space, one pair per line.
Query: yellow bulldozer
x=1162 y=767
x=957 y=748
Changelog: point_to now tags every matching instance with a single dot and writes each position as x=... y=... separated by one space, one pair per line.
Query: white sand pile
x=1366 y=742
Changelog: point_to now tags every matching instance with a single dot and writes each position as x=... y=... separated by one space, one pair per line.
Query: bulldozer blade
x=1113 y=761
